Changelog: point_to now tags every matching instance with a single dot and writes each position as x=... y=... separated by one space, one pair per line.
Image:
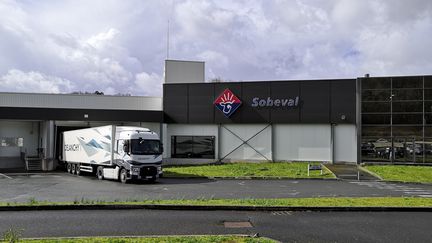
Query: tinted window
x=428 y=106
x=428 y=118
x=428 y=94
x=376 y=107
x=376 y=119
x=408 y=131
x=407 y=82
x=376 y=95
x=376 y=131
x=408 y=119
x=408 y=106
x=428 y=81
x=376 y=83
x=407 y=94
x=145 y=147
x=193 y=147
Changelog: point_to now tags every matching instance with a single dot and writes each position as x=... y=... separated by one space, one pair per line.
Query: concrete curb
x=148 y=236
x=248 y=178
x=215 y=208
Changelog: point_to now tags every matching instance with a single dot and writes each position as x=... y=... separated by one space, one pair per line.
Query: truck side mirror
x=126 y=147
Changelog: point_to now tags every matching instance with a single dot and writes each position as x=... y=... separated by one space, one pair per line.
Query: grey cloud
x=120 y=46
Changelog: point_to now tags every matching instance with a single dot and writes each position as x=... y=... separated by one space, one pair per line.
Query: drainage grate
x=244 y=224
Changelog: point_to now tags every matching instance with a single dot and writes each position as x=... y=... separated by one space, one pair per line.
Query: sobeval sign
x=228 y=103
x=269 y=102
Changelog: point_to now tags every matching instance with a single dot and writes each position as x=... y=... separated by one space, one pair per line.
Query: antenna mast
x=168 y=36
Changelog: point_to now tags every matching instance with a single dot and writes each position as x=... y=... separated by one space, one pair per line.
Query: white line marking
x=5 y=176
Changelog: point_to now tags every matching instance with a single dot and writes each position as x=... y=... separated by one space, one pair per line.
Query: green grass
x=275 y=169
x=281 y=202
x=173 y=239
x=404 y=173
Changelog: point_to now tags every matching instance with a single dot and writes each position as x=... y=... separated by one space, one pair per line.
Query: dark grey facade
x=320 y=101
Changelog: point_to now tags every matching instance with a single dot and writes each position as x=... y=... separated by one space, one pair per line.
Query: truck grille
x=148 y=171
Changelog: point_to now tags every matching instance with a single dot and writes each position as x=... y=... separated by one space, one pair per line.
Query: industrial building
x=381 y=119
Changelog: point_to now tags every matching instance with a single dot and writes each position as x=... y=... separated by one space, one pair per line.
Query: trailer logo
x=227 y=102
x=71 y=147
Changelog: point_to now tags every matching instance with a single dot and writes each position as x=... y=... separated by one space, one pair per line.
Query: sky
x=119 y=46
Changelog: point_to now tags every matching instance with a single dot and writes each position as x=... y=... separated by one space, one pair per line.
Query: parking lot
x=63 y=187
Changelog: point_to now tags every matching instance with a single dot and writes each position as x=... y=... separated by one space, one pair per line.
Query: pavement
x=63 y=187
x=284 y=226
x=350 y=172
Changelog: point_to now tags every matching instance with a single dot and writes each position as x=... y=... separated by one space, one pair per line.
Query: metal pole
x=424 y=123
x=391 y=122
x=272 y=143
x=332 y=138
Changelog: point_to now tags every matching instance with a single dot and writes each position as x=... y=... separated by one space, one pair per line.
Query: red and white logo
x=227 y=102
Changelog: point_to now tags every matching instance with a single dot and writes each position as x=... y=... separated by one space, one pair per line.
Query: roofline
x=92 y=95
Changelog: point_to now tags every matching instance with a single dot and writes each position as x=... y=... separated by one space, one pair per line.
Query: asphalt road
x=283 y=226
x=65 y=187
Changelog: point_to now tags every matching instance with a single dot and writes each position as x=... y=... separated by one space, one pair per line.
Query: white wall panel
x=80 y=101
x=345 y=139
x=302 y=142
x=184 y=71
x=261 y=142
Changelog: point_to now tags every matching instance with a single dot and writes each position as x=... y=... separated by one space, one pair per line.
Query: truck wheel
x=73 y=169
x=123 y=176
x=99 y=173
x=78 y=169
x=69 y=168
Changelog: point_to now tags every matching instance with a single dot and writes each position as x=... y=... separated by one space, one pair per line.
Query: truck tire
x=78 y=169
x=99 y=172
x=69 y=168
x=123 y=176
x=73 y=169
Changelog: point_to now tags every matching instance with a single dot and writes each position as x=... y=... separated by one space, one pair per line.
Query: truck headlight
x=136 y=170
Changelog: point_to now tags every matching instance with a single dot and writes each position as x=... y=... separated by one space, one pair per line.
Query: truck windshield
x=145 y=147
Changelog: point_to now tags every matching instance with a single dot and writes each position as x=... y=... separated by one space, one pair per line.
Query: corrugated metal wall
x=80 y=101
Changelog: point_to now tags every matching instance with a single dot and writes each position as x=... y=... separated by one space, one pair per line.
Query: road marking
x=281 y=213
x=405 y=189
x=5 y=176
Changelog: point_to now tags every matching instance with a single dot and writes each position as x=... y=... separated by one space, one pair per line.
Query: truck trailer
x=113 y=152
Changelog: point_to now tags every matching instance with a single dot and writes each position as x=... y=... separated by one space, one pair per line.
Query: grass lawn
x=173 y=239
x=403 y=173
x=268 y=202
x=275 y=169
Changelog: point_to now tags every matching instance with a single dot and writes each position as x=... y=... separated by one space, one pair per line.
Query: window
x=145 y=147
x=193 y=147
x=11 y=142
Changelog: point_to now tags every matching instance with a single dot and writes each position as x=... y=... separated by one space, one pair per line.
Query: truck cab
x=138 y=154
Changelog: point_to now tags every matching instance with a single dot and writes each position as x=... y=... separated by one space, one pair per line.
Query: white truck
x=113 y=152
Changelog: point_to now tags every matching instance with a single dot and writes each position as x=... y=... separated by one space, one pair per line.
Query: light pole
x=391 y=127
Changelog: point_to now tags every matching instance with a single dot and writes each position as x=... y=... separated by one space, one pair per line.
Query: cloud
x=119 y=46
x=19 y=81
x=149 y=84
